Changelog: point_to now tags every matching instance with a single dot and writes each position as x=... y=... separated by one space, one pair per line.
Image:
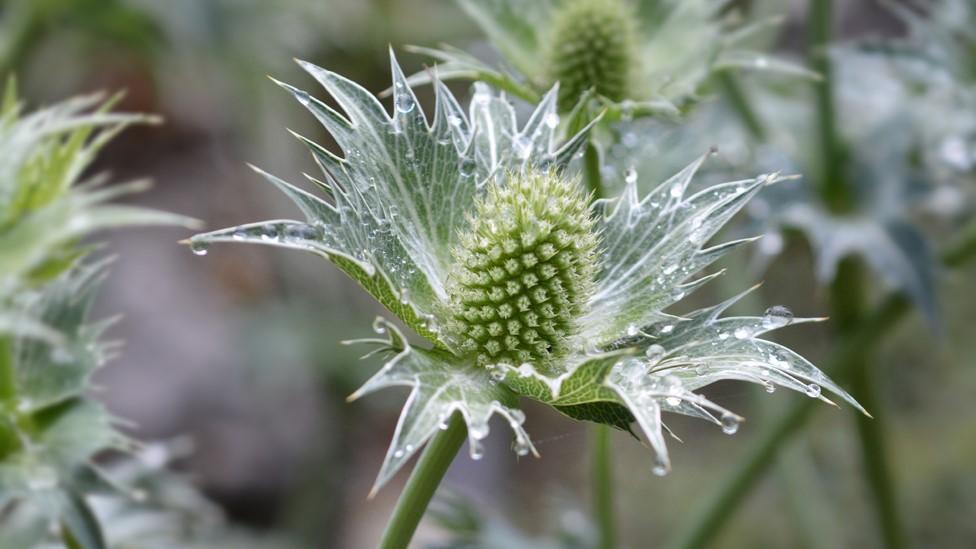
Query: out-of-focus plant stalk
x=601 y=466
x=603 y=487
x=847 y=294
x=719 y=507
x=8 y=438
x=424 y=480
x=732 y=89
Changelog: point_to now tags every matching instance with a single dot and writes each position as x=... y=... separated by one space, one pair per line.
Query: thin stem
x=603 y=487
x=602 y=470
x=835 y=192
x=716 y=511
x=8 y=434
x=871 y=433
x=591 y=171
x=732 y=89
x=424 y=480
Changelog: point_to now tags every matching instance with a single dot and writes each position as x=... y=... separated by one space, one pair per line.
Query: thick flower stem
x=602 y=467
x=424 y=480
x=603 y=487
x=716 y=511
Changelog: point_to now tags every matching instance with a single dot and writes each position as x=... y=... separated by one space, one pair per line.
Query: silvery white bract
x=680 y=44
x=44 y=207
x=400 y=195
x=907 y=156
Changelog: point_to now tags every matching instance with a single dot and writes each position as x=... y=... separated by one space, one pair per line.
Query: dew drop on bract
x=630 y=176
x=552 y=120
x=777 y=316
x=199 y=248
x=730 y=423
x=660 y=466
x=654 y=353
x=404 y=103
x=813 y=390
x=467 y=167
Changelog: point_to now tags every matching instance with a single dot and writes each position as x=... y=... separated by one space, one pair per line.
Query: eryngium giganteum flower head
x=638 y=58
x=472 y=230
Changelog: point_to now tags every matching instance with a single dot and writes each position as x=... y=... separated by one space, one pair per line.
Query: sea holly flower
x=476 y=233
x=49 y=426
x=638 y=58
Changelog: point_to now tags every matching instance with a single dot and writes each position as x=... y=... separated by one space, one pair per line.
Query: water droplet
x=477 y=450
x=269 y=233
x=813 y=390
x=522 y=446
x=404 y=296
x=304 y=232
x=398 y=454
x=454 y=120
x=523 y=147
x=670 y=268
x=467 y=167
x=770 y=388
x=654 y=353
x=661 y=466
x=478 y=429
x=742 y=332
x=630 y=177
x=777 y=316
x=199 y=247
x=239 y=234
x=730 y=423
x=552 y=120
x=677 y=190
x=632 y=330
x=762 y=62
x=673 y=401
x=404 y=103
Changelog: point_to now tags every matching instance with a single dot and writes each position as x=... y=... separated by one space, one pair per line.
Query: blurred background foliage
x=236 y=358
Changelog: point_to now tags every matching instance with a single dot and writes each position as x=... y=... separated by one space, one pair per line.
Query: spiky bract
x=523 y=271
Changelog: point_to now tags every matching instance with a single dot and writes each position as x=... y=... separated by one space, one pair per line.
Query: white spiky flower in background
x=475 y=233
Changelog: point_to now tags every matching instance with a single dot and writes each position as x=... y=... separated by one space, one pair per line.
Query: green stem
x=871 y=433
x=603 y=487
x=8 y=434
x=602 y=470
x=718 y=508
x=591 y=171
x=834 y=190
x=424 y=480
x=733 y=91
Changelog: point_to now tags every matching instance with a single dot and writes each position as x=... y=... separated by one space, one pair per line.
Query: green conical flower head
x=592 y=45
x=523 y=271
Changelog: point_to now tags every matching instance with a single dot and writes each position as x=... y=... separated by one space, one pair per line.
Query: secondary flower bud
x=592 y=45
